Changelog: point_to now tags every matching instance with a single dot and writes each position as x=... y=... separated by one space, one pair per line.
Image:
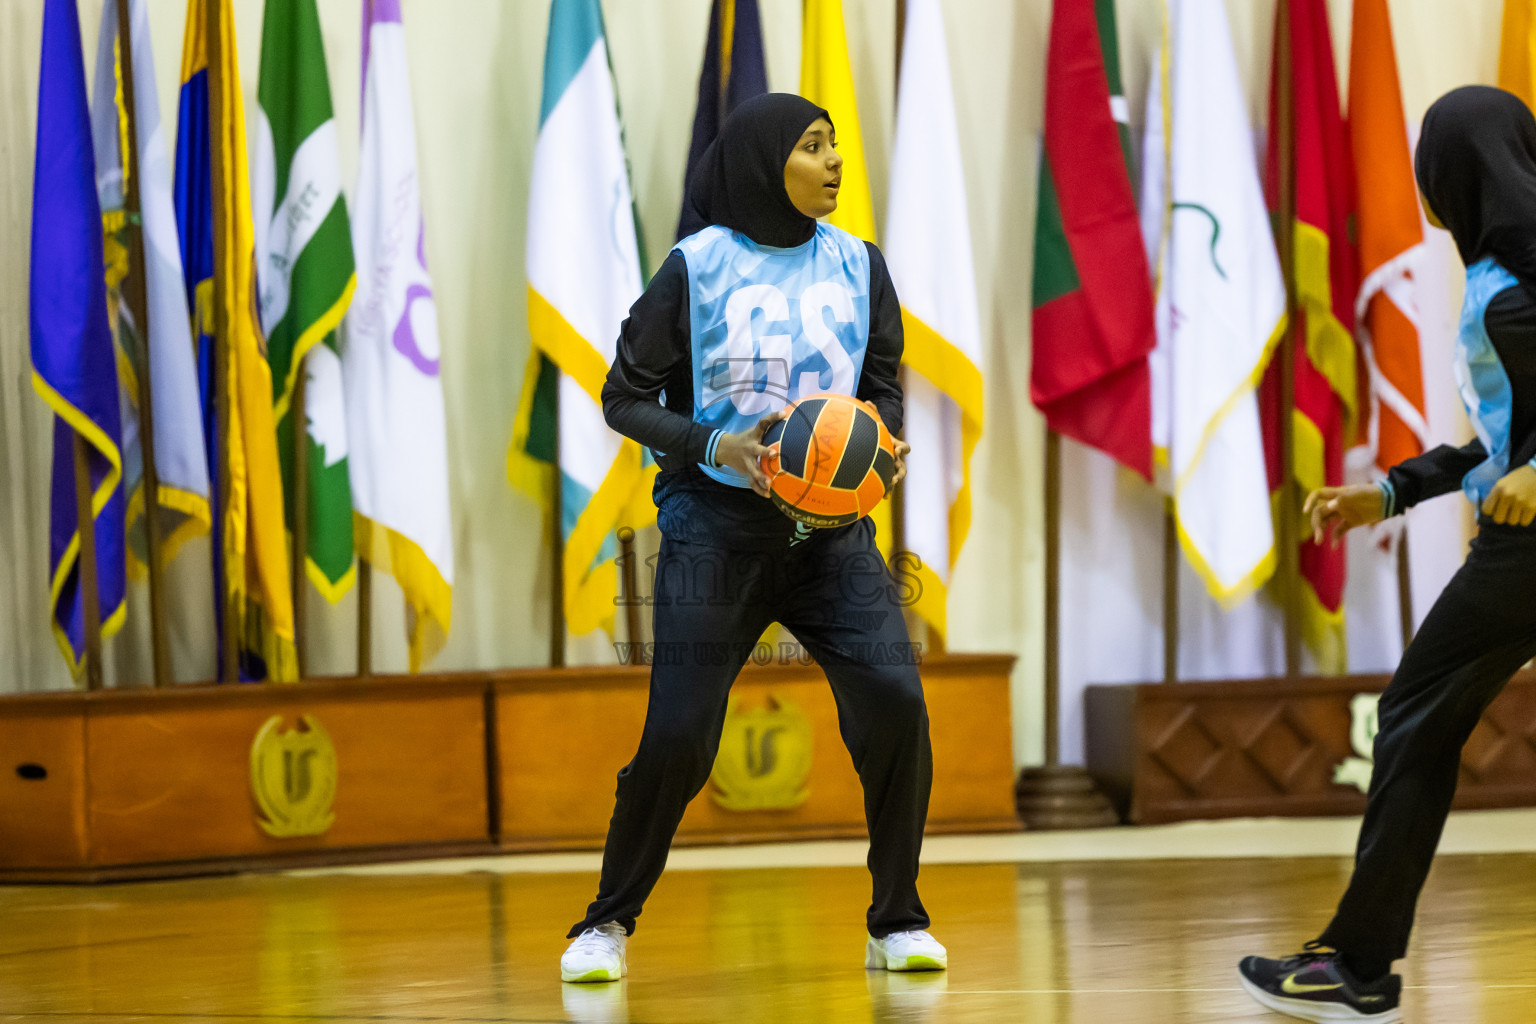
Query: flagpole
x=1290 y=562
x=1052 y=599
x=364 y=617
x=86 y=576
x=138 y=306
x=933 y=640
x=627 y=577
x=1170 y=591
x=1056 y=795
x=1404 y=588
x=229 y=664
x=300 y=549
x=557 y=560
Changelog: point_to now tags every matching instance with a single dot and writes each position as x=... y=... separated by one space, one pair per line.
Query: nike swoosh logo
x=1291 y=987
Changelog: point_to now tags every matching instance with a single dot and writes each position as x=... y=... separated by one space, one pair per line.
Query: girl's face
x=814 y=172
x=1429 y=214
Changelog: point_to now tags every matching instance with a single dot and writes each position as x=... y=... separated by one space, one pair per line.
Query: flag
x=583 y=274
x=1221 y=304
x=182 y=504
x=396 y=425
x=734 y=70
x=1391 y=241
x=826 y=79
x=1326 y=270
x=219 y=261
x=304 y=270
x=1093 y=326
x=73 y=364
x=1517 y=51
x=928 y=251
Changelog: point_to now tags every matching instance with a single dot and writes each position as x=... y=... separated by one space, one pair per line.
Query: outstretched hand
x=742 y=451
x=1334 y=511
x=901 y=448
x=1512 y=502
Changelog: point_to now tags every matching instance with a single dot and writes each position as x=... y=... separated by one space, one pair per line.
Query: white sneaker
x=597 y=954
x=906 y=951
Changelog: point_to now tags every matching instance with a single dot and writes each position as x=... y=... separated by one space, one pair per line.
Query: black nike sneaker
x=1317 y=986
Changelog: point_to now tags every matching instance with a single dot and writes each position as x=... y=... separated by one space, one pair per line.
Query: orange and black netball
x=831 y=460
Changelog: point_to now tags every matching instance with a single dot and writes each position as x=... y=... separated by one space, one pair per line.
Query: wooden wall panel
x=557 y=780
x=1268 y=747
x=174 y=783
x=149 y=783
x=42 y=820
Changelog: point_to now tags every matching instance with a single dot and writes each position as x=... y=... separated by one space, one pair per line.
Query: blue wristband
x=1388 y=499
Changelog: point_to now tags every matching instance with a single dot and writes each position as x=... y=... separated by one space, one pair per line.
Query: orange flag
x=1326 y=274
x=1390 y=239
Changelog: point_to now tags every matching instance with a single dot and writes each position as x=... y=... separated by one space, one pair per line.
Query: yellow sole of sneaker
x=590 y=977
x=919 y=963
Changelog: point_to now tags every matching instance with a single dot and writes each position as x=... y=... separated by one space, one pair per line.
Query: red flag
x=1326 y=274
x=1093 y=324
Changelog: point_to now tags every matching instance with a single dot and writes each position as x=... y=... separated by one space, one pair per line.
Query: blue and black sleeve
x=653 y=358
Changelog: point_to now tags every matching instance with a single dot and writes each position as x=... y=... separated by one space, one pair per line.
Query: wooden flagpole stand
x=135 y=290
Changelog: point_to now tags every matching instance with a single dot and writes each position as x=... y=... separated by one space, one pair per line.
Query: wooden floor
x=1152 y=941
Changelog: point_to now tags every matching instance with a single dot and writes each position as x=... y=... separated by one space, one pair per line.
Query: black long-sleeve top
x=648 y=397
x=1510 y=320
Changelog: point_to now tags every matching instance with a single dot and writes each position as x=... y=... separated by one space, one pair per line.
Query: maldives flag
x=1093 y=324
x=1327 y=279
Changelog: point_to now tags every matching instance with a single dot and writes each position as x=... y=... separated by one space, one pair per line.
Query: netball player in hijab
x=759 y=306
x=1476 y=168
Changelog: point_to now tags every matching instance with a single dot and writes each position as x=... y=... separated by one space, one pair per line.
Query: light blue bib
x=1482 y=380
x=771 y=326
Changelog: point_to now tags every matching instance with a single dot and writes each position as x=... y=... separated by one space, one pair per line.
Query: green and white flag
x=305 y=275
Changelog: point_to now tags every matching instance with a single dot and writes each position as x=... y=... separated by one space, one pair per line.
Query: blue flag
x=734 y=70
x=73 y=363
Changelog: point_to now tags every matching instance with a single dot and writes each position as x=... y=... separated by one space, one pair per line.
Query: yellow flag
x=1516 y=43
x=257 y=593
x=826 y=79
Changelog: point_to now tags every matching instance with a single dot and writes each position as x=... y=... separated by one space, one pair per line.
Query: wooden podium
x=203 y=779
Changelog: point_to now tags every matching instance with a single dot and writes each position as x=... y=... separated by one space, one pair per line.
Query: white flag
x=583 y=275
x=396 y=435
x=180 y=458
x=928 y=251
x=1221 y=302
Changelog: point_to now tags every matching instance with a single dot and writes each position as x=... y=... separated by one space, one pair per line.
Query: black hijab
x=1476 y=165
x=739 y=181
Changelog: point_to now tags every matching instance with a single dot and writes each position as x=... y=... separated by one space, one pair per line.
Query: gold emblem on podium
x=1364 y=724
x=293 y=778
x=764 y=759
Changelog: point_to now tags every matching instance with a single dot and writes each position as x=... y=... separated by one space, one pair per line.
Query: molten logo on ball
x=831 y=460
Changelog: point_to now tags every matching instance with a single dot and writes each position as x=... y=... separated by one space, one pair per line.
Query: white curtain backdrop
x=476 y=68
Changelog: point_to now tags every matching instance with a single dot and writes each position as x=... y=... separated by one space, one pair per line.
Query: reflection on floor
x=1049 y=943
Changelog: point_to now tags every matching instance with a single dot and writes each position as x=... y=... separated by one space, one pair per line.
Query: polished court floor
x=1045 y=943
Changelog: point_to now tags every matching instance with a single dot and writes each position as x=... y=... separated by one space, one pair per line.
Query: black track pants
x=1479 y=633
x=711 y=606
